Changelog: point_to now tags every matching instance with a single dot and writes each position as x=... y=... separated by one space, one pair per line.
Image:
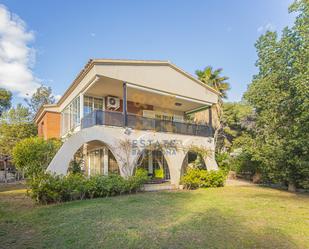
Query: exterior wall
x=164 y=110
x=136 y=108
x=161 y=76
x=111 y=137
x=49 y=125
x=203 y=117
x=132 y=107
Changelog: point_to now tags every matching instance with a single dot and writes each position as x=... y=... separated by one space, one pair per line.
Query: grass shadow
x=211 y=218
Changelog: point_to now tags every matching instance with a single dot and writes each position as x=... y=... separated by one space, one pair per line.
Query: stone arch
x=140 y=147
x=189 y=157
x=164 y=164
x=173 y=160
x=98 y=158
x=209 y=161
x=61 y=160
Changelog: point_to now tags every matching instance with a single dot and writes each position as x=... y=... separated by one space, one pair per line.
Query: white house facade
x=122 y=114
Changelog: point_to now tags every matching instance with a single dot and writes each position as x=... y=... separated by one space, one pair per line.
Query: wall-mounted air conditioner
x=113 y=103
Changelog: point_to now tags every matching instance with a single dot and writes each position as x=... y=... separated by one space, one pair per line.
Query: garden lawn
x=229 y=217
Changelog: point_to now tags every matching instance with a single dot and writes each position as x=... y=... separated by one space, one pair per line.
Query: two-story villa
x=120 y=114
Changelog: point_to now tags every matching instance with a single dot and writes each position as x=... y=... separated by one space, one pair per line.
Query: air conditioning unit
x=113 y=103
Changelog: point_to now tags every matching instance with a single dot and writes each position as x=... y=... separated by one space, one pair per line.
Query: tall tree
x=42 y=96
x=16 y=115
x=15 y=125
x=280 y=95
x=5 y=100
x=238 y=118
x=214 y=79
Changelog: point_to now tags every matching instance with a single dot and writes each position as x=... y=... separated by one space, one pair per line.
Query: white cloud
x=16 y=56
x=267 y=27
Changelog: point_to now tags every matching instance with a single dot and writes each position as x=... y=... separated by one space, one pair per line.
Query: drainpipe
x=125 y=120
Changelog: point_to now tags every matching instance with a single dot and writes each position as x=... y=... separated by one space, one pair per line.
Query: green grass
x=229 y=217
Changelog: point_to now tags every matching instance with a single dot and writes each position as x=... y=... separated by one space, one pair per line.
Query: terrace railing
x=142 y=123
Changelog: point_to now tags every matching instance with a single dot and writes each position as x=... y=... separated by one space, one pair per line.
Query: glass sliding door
x=70 y=116
x=91 y=104
x=95 y=164
x=88 y=106
x=156 y=165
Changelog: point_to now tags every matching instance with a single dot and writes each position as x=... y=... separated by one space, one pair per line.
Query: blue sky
x=63 y=35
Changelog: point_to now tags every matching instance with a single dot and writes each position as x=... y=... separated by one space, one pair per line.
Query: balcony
x=133 y=121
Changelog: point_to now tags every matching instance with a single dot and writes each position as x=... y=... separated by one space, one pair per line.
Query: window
x=91 y=104
x=95 y=166
x=97 y=104
x=70 y=116
x=76 y=111
x=87 y=105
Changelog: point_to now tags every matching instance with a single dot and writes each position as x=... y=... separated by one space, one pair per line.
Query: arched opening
x=94 y=158
x=154 y=162
x=193 y=160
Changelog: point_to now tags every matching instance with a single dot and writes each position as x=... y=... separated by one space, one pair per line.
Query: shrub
x=47 y=188
x=73 y=187
x=243 y=164
x=141 y=174
x=137 y=181
x=34 y=154
x=159 y=173
x=75 y=167
x=223 y=160
x=200 y=178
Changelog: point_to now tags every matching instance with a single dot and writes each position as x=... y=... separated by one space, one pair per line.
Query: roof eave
x=93 y=62
x=41 y=111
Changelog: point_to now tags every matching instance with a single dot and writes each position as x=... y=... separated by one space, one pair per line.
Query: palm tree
x=214 y=79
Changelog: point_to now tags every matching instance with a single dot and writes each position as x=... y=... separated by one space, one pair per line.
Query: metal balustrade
x=133 y=121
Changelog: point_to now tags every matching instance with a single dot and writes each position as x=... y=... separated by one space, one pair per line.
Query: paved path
x=238 y=182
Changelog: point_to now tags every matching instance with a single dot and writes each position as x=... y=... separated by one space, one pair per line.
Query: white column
x=81 y=106
x=89 y=169
x=210 y=162
x=150 y=162
x=174 y=162
x=105 y=161
x=85 y=150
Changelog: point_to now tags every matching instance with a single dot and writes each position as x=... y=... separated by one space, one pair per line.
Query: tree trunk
x=5 y=170
x=291 y=187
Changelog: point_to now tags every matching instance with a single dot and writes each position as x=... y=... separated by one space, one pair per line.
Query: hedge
x=48 y=188
x=200 y=178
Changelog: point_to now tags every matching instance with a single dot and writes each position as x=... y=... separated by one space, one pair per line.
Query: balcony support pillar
x=210 y=117
x=105 y=161
x=124 y=104
x=150 y=162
